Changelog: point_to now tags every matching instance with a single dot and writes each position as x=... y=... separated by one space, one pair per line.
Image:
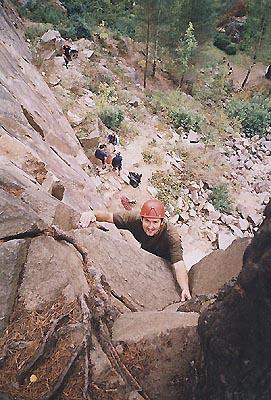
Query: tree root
x=98 y=317
x=59 y=234
x=125 y=301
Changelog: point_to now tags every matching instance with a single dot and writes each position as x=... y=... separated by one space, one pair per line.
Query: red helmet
x=152 y=209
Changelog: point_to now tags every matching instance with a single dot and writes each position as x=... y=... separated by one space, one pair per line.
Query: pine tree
x=185 y=49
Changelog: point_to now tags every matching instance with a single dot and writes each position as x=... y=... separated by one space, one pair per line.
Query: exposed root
x=125 y=301
x=95 y=316
x=59 y=234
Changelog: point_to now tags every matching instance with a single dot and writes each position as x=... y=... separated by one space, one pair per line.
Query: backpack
x=100 y=154
x=134 y=179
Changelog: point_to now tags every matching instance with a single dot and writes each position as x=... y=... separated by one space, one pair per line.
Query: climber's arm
x=103 y=216
x=182 y=279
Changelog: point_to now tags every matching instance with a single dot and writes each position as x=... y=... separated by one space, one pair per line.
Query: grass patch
x=127 y=132
x=35 y=31
x=168 y=185
x=152 y=156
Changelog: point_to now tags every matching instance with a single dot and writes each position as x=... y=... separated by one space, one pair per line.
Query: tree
x=258 y=32
x=185 y=49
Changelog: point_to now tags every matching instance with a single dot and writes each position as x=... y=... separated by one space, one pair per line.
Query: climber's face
x=151 y=226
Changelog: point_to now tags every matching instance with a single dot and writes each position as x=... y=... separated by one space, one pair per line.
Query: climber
x=66 y=53
x=101 y=154
x=155 y=234
x=113 y=139
x=117 y=162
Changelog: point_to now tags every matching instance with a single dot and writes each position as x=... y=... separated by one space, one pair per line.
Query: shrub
x=220 y=198
x=169 y=186
x=151 y=156
x=185 y=119
x=112 y=118
x=39 y=11
x=221 y=41
x=231 y=49
x=254 y=114
x=36 y=31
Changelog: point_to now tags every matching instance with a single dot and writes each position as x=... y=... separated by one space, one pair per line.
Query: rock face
x=216 y=269
x=12 y=259
x=235 y=330
x=165 y=345
x=129 y=270
x=35 y=136
x=52 y=269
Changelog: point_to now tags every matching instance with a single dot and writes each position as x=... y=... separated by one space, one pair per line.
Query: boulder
x=225 y=239
x=159 y=348
x=74 y=119
x=50 y=36
x=243 y=224
x=216 y=269
x=255 y=218
x=16 y=217
x=52 y=270
x=124 y=265
x=193 y=137
x=12 y=258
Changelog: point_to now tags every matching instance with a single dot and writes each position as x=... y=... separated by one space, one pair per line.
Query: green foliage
x=254 y=115
x=185 y=119
x=220 y=198
x=42 y=12
x=112 y=117
x=86 y=15
x=258 y=29
x=214 y=87
x=36 y=31
x=184 y=52
x=231 y=49
x=223 y=42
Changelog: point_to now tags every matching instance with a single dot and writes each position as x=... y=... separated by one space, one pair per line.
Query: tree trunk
x=263 y=24
x=154 y=58
x=156 y=44
x=147 y=52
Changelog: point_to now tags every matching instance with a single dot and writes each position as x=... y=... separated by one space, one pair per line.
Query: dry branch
x=64 y=376
x=47 y=342
x=125 y=301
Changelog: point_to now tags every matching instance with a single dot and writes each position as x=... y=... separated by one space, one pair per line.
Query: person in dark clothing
x=101 y=154
x=66 y=54
x=117 y=162
x=113 y=139
x=157 y=236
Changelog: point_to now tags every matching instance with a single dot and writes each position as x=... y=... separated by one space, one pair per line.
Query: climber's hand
x=185 y=295
x=86 y=219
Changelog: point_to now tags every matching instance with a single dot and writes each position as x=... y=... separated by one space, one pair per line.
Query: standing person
x=101 y=154
x=66 y=53
x=155 y=235
x=113 y=139
x=117 y=162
